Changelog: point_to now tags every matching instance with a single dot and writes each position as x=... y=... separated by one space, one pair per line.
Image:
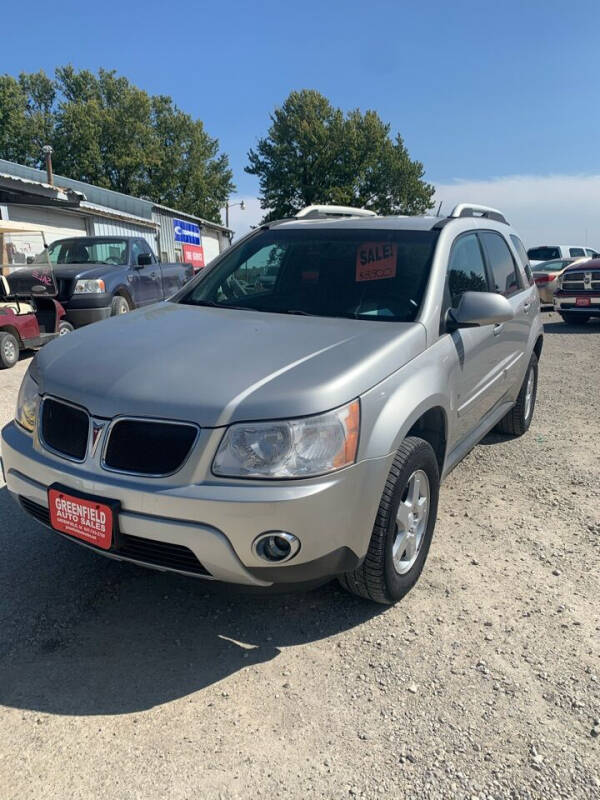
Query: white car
x=550 y=252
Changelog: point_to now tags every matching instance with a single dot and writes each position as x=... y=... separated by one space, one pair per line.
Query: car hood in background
x=213 y=366
x=88 y=270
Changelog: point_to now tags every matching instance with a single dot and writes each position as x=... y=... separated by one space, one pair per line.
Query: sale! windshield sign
x=376 y=261
x=186 y=232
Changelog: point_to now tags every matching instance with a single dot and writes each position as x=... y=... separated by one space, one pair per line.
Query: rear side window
x=576 y=252
x=504 y=273
x=543 y=253
x=466 y=268
x=522 y=253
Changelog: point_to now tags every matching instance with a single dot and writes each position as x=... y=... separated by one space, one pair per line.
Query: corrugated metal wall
x=166 y=237
x=109 y=227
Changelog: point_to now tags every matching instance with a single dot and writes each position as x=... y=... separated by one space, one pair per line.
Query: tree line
x=106 y=131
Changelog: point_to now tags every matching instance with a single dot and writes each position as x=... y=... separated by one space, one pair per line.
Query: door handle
x=526 y=308
x=153 y=274
x=498 y=328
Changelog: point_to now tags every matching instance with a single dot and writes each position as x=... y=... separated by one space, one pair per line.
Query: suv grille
x=146 y=447
x=65 y=428
x=573 y=281
x=148 y=551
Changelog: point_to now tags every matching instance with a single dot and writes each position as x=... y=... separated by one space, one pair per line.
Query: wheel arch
x=123 y=291
x=537 y=347
x=432 y=426
x=15 y=332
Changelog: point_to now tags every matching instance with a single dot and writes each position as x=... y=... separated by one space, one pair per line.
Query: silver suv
x=288 y=430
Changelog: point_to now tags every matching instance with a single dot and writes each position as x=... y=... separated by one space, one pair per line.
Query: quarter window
x=522 y=253
x=466 y=268
x=504 y=274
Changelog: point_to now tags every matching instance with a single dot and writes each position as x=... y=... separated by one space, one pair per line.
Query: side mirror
x=479 y=308
x=144 y=260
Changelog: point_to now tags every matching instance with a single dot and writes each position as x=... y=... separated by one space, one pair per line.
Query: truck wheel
x=403 y=528
x=64 y=327
x=118 y=306
x=574 y=319
x=9 y=350
x=518 y=419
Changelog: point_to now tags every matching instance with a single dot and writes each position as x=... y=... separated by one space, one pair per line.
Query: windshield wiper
x=212 y=304
x=294 y=311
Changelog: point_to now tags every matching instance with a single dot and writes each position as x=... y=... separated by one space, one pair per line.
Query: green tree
x=314 y=153
x=106 y=131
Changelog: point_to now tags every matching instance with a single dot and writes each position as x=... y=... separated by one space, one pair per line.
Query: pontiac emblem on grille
x=97 y=428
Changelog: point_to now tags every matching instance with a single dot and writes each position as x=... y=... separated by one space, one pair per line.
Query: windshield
x=82 y=250
x=543 y=253
x=24 y=265
x=363 y=274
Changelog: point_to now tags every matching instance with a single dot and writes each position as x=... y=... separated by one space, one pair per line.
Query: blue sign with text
x=186 y=232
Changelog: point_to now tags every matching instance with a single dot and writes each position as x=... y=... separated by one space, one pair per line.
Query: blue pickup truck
x=103 y=276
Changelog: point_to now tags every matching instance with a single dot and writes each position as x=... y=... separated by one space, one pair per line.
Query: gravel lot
x=484 y=682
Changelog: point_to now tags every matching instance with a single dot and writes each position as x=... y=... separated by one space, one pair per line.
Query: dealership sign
x=186 y=232
x=193 y=254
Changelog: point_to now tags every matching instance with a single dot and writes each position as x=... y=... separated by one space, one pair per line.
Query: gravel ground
x=484 y=682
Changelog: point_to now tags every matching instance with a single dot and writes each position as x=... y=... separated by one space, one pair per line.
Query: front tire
x=119 y=306
x=518 y=419
x=9 y=350
x=403 y=528
x=574 y=319
x=64 y=327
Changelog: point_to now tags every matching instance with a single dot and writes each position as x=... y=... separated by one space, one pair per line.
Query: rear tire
x=398 y=549
x=574 y=319
x=119 y=306
x=518 y=419
x=9 y=350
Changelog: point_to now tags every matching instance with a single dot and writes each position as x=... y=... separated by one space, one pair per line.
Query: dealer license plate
x=82 y=516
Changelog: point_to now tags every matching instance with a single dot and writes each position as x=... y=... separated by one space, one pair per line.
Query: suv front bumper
x=217 y=521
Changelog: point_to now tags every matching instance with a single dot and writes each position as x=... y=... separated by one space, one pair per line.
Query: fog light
x=276 y=546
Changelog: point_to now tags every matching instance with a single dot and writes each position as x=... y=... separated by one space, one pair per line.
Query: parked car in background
x=310 y=439
x=104 y=276
x=547 y=273
x=550 y=252
x=577 y=297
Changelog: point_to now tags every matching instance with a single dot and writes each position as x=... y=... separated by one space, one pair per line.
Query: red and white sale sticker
x=376 y=261
x=87 y=520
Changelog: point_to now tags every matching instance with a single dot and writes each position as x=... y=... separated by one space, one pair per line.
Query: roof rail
x=324 y=212
x=473 y=210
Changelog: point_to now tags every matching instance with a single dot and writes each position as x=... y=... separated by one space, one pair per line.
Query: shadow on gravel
x=593 y=326
x=496 y=438
x=83 y=635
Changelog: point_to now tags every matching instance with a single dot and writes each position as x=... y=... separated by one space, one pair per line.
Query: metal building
x=73 y=208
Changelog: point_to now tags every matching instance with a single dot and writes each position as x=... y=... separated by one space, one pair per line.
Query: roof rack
x=473 y=210
x=325 y=212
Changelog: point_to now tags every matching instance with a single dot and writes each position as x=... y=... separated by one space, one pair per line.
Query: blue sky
x=479 y=91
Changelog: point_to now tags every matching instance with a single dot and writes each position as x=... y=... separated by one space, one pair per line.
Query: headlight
x=90 y=286
x=298 y=448
x=28 y=403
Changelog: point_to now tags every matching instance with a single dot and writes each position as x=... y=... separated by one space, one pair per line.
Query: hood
x=214 y=366
x=87 y=270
